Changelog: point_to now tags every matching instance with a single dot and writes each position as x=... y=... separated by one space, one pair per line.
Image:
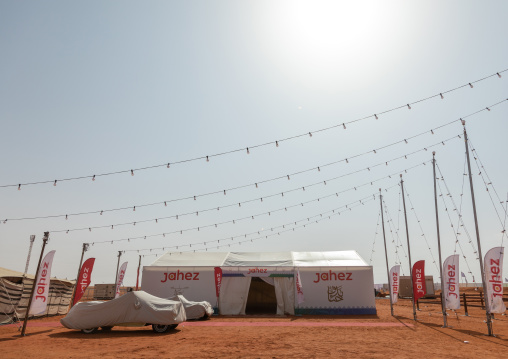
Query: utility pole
x=386 y=253
x=85 y=248
x=443 y=299
x=408 y=249
x=45 y=239
x=484 y=281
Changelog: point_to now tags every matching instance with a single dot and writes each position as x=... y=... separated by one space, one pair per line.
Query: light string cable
x=375 y=235
x=282 y=209
x=395 y=239
x=455 y=231
x=248 y=148
x=256 y=184
x=488 y=182
x=421 y=228
x=462 y=224
x=278 y=194
x=276 y=230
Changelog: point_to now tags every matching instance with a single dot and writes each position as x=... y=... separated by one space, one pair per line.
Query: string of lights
x=247 y=149
x=375 y=235
x=462 y=224
x=288 y=227
x=256 y=184
x=395 y=242
x=421 y=229
x=482 y=170
x=282 y=209
x=278 y=194
x=455 y=233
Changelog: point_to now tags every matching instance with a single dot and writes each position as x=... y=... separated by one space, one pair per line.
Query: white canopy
x=262 y=259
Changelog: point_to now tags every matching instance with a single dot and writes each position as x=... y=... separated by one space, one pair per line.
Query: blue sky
x=95 y=87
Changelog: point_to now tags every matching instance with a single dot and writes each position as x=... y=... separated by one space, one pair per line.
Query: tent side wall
x=337 y=290
x=194 y=283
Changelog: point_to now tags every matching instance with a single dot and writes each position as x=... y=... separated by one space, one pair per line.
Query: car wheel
x=89 y=330
x=160 y=328
x=173 y=326
x=106 y=329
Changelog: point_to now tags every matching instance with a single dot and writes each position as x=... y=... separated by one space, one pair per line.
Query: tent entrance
x=261 y=298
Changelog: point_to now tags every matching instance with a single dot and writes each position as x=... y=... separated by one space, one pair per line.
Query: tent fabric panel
x=234 y=293
x=285 y=293
x=187 y=259
x=258 y=259
x=329 y=259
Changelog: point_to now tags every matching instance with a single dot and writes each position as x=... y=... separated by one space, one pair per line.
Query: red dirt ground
x=271 y=337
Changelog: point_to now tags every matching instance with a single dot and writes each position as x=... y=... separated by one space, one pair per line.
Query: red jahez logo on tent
x=180 y=276
x=332 y=276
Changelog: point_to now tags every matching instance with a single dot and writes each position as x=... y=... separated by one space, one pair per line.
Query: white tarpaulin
x=338 y=282
x=451 y=282
x=132 y=307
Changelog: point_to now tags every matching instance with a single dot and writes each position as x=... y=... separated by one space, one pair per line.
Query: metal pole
x=408 y=249
x=117 y=266
x=85 y=248
x=484 y=282
x=386 y=253
x=443 y=305
x=32 y=239
x=137 y=278
x=45 y=239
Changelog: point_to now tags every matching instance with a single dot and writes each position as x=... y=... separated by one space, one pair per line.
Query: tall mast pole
x=45 y=239
x=408 y=249
x=443 y=304
x=137 y=278
x=480 y=257
x=85 y=248
x=386 y=253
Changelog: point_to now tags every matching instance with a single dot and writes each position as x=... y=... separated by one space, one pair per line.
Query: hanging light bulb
x=65 y=216
x=207 y=159
x=156 y=220
x=303 y=188
x=167 y=165
x=239 y=204
x=111 y=226
x=165 y=204
x=288 y=177
x=470 y=85
x=93 y=178
x=442 y=97
x=347 y=161
x=310 y=134
x=344 y=125
x=194 y=198
x=101 y=212
x=405 y=140
x=375 y=116
x=54 y=184
x=256 y=185
x=319 y=169
x=488 y=109
x=19 y=187
x=177 y=216
x=498 y=75
x=277 y=143
x=409 y=107
x=248 y=150
x=375 y=151
x=132 y=172
x=134 y=209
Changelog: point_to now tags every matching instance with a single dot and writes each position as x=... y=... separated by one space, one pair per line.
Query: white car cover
x=194 y=310
x=132 y=307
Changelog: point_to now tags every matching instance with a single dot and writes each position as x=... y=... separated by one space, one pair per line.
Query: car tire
x=106 y=329
x=160 y=328
x=89 y=330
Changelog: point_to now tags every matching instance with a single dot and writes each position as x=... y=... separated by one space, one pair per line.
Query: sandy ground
x=270 y=337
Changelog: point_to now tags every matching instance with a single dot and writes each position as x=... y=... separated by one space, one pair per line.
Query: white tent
x=332 y=282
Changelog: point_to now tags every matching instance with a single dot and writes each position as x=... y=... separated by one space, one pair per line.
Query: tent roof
x=9 y=273
x=261 y=259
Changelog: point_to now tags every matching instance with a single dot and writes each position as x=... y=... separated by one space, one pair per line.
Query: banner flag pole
x=117 y=266
x=408 y=248
x=137 y=278
x=443 y=300
x=386 y=253
x=484 y=282
x=45 y=239
x=32 y=239
x=85 y=248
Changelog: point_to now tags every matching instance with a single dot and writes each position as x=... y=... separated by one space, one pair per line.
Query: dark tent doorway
x=261 y=299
